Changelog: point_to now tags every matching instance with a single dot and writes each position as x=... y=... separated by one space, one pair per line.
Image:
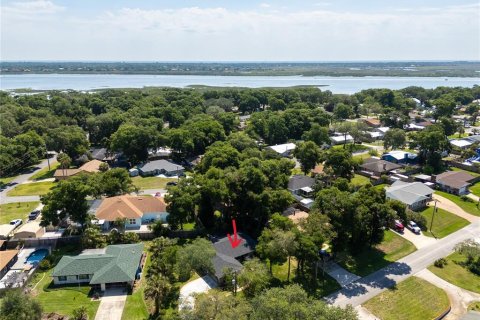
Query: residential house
x=415 y=195
x=461 y=143
x=301 y=185
x=456 y=182
x=136 y=210
x=159 y=153
x=6 y=230
x=7 y=260
x=157 y=167
x=375 y=135
x=63 y=174
x=413 y=127
x=89 y=167
x=31 y=229
x=104 y=155
x=382 y=130
x=92 y=166
x=115 y=265
x=377 y=167
x=399 y=156
x=341 y=139
x=372 y=123
x=284 y=150
x=229 y=257
x=3 y=245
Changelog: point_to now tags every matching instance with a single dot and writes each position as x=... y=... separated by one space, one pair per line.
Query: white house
x=283 y=149
x=415 y=195
x=340 y=139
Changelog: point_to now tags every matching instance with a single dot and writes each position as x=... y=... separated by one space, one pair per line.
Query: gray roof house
x=456 y=182
x=301 y=185
x=228 y=257
x=377 y=167
x=162 y=166
x=116 y=264
x=415 y=195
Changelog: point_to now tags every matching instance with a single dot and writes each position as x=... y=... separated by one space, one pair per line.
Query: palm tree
x=157 y=289
x=65 y=161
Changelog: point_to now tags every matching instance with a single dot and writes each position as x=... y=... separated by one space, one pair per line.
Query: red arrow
x=235 y=241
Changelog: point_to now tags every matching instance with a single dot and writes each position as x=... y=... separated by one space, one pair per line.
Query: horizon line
x=233 y=61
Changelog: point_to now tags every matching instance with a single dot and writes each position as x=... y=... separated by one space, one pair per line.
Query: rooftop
x=91 y=166
x=32 y=226
x=408 y=192
x=224 y=247
x=299 y=181
x=6 y=256
x=161 y=165
x=455 y=179
x=281 y=148
x=129 y=207
x=378 y=165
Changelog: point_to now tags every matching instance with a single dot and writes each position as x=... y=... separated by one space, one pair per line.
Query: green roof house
x=113 y=265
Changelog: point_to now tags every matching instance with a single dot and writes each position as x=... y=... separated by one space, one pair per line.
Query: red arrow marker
x=235 y=241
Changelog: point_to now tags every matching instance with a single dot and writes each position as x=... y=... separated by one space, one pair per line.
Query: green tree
x=181 y=200
x=431 y=141
x=195 y=256
x=308 y=153
x=66 y=200
x=254 y=277
x=71 y=140
x=394 y=138
x=157 y=288
x=342 y=111
x=215 y=305
x=339 y=162
x=16 y=305
x=92 y=238
x=317 y=134
x=135 y=141
x=80 y=313
x=115 y=182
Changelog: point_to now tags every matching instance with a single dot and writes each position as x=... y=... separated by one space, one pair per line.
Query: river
x=335 y=84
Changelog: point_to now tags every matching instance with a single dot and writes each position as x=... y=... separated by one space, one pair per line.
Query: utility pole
x=48 y=159
x=433 y=215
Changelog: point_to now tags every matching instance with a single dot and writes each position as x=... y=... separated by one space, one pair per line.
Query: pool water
x=36 y=256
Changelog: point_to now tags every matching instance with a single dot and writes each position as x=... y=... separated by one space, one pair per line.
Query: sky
x=239 y=30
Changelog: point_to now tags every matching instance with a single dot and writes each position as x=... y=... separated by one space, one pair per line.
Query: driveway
x=459 y=298
x=418 y=240
x=360 y=291
x=342 y=276
x=187 y=292
x=445 y=204
x=111 y=304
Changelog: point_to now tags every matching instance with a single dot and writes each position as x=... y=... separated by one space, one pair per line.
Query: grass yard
x=392 y=248
x=359 y=180
x=7 y=180
x=411 y=299
x=135 y=306
x=474 y=306
x=470 y=207
x=31 y=189
x=456 y=274
x=475 y=189
x=444 y=222
x=45 y=173
x=461 y=170
x=151 y=182
x=362 y=156
x=352 y=147
x=18 y=210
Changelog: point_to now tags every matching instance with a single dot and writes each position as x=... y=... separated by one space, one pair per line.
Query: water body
x=335 y=84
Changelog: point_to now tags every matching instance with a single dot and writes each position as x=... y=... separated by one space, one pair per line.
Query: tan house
x=30 y=230
x=89 y=167
x=136 y=210
x=456 y=182
x=7 y=260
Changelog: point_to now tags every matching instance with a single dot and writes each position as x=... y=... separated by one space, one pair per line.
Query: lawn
x=475 y=189
x=411 y=299
x=362 y=156
x=469 y=172
x=31 y=189
x=456 y=274
x=359 y=180
x=62 y=299
x=444 y=222
x=7 y=180
x=352 y=147
x=151 y=182
x=135 y=306
x=17 y=210
x=470 y=207
x=45 y=173
x=474 y=306
x=392 y=248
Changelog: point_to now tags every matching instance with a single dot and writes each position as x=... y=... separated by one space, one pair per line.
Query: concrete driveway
x=445 y=204
x=418 y=240
x=188 y=291
x=111 y=304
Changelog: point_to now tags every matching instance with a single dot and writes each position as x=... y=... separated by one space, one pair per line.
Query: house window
x=62 y=278
x=83 y=277
x=133 y=221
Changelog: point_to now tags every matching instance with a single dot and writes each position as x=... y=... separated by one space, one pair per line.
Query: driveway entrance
x=112 y=304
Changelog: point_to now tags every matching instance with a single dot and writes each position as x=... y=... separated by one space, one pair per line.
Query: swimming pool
x=36 y=256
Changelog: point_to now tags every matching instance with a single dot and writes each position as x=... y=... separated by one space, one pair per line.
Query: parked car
x=16 y=222
x=398 y=226
x=414 y=227
x=33 y=215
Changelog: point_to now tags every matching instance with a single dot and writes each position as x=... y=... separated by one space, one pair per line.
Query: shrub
x=44 y=265
x=440 y=263
x=80 y=313
x=467 y=199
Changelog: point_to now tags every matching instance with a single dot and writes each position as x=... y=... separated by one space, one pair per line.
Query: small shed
x=29 y=230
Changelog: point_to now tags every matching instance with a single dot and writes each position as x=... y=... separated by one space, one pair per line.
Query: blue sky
x=247 y=30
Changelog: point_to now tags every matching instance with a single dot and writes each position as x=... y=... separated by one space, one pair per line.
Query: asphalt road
x=358 y=292
x=21 y=179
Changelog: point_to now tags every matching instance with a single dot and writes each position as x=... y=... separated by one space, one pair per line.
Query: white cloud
x=265 y=5
x=222 y=34
x=32 y=7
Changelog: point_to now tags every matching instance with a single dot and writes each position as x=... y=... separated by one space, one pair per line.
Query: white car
x=16 y=222
x=414 y=227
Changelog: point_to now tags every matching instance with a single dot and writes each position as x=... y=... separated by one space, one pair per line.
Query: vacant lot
x=444 y=222
x=31 y=189
x=17 y=210
x=411 y=299
x=392 y=248
x=45 y=173
x=467 y=206
x=456 y=274
x=151 y=182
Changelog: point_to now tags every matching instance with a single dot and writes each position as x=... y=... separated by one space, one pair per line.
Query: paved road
x=366 y=288
x=21 y=179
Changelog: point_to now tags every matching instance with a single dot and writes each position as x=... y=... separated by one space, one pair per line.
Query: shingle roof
x=66 y=172
x=408 y=193
x=118 y=264
x=91 y=166
x=6 y=256
x=130 y=207
x=299 y=181
x=161 y=165
x=223 y=246
x=455 y=179
x=378 y=165
x=221 y=261
x=281 y=148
